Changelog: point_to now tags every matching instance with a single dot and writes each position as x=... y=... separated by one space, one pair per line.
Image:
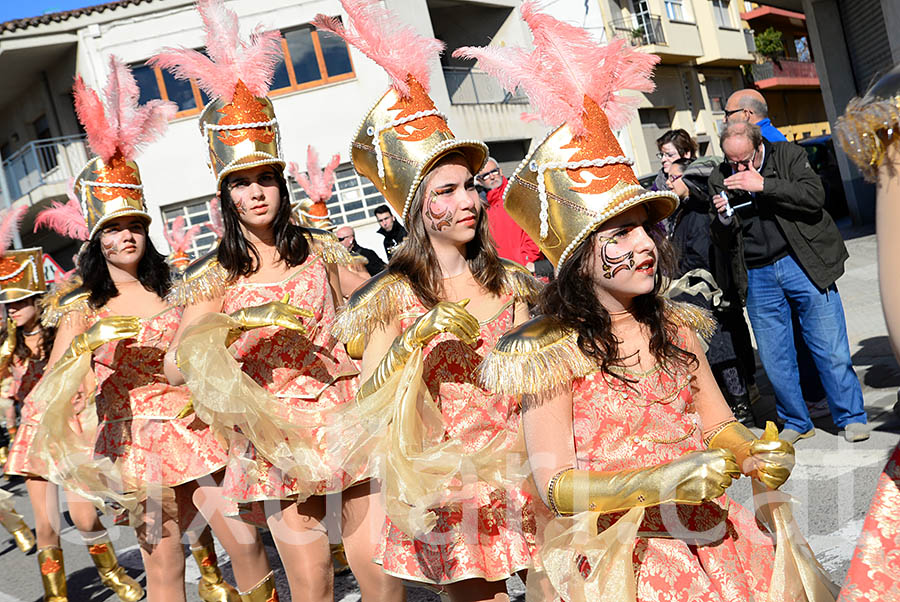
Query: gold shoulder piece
x=698 y=319
x=520 y=282
x=203 y=280
x=372 y=305
x=534 y=358
x=327 y=245
x=67 y=297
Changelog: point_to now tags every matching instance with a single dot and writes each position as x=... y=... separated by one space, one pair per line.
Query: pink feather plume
x=216 y=223
x=64 y=218
x=383 y=37
x=9 y=223
x=566 y=65
x=120 y=123
x=317 y=183
x=179 y=236
x=230 y=58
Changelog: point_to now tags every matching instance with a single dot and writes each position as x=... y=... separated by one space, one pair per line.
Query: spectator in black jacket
x=347 y=237
x=390 y=228
x=787 y=253
x=730 y=351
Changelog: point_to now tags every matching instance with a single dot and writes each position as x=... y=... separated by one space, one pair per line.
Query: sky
x=19 y=9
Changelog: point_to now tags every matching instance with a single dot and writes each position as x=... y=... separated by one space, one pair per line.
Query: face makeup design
x=613 y=264
x=440 y=220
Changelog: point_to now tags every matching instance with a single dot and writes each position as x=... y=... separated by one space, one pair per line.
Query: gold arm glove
x=768 y=459
x=103 y=331
x=691 y=479
x=274 y=313
x=9 y=345
x=446 y=316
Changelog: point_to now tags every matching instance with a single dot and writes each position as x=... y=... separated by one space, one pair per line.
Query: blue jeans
x=775 y=290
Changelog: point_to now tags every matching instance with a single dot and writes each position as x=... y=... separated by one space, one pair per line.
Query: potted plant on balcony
x=769 y=44
x=638 y=35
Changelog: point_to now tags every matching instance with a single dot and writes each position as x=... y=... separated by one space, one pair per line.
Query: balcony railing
x=43 y=162
x=749 y=41
x=469 y=87
x=784 y=68
x=640 y=30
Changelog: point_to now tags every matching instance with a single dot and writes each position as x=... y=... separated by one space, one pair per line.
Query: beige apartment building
x=323 y=88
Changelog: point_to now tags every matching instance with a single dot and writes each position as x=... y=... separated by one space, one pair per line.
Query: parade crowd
x=550 y=377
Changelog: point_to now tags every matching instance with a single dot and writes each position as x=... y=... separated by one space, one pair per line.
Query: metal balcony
x=42 y=162
x=640 y=30
x=470 y=87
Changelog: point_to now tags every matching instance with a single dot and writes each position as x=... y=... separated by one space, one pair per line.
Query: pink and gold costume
x=490 y=532
x=25 y=375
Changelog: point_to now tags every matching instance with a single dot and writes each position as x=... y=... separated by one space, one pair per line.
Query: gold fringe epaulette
x=203 y=280
x=372 y=305
x=698 y=319
x=520 y=282
x=871 y=123
x=358 y=259
x=329 y=247
x=67 y=296
x=534 y=358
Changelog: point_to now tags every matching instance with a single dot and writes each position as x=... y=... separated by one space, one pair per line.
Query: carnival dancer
x=428 y=320
x=141 y=454
x=272 y=397
x=868 y=133
x=29 y=344
x=624 y=424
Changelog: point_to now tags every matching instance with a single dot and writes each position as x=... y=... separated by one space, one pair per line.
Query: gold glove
x=768 y=459
x=9 y=345
x=274 y=313
x=691 y=479
x=103 y=331
x=446 y=316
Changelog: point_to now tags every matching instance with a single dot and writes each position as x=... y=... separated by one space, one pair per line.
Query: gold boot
x=53 y=574
x=339 y=559
x=212 y=587
x=112 y=575
x=264 y=591
x=4 y=456
x=15 y=524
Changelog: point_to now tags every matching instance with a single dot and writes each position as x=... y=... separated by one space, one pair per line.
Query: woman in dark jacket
x=704 y=278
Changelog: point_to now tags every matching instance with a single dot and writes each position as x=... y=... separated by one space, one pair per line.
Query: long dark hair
x=239 y=256
x=416 y=261
x=571 y=299
x=21 y=350
x=153 y=272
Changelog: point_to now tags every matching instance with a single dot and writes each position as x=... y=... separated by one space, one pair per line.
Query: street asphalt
x=833 y=480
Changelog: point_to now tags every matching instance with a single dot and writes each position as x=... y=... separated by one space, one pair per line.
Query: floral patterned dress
x=875 y=569
x=25 y=376
x=137 y=408
x=302 y=372
x=651 y=421
x=492 y=536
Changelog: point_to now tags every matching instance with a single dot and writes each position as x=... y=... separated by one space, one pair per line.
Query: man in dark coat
x=347 y=237
x=390 y=228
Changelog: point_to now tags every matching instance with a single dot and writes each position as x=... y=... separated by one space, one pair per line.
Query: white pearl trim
x=443 y=146
x=376 y=133
x=25 y=264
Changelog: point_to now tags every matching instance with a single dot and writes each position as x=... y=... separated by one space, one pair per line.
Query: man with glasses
x=347 y=237
x=511 y=241
x=786 y=255
x=750 y=106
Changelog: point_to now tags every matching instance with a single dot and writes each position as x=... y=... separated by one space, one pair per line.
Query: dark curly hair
x=571 y=299
x=153 y=272
x=21 y=351
x=239 y=256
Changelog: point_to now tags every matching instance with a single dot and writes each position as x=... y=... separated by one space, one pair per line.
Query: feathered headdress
x=109 y=186
x=216 y=223
x=404 y=129
x=575 y=85
x=180 y=237
x=316 y=183
x=566 y=66
x=237 y=74
x=9 y=224
x=230 y=59
x=64 y=218
x=118 y=123
x=21 y=270
x=383 y=37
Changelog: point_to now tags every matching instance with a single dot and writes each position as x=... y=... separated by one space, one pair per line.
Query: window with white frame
x=679 y=10
x=722 y=13
x=194 y=212
x=719 y=89
x=354 y=200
